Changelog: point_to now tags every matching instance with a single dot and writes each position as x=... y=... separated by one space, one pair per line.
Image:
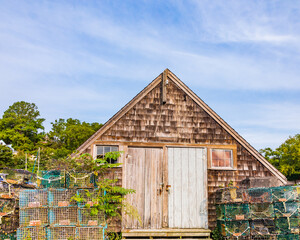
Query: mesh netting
x=63 y=216
x=261 y=210
x=286 y=209
x=33 y=198
x=232 y=211
x=285 y=193
x=51 y=179
x=234 y=228
x=19 y=175
x=61 y=197
x=32 y=233
x=288 y=237
x=263 y=227
x=263 y=237
x=8 y=236
x=86 y=217
x=230 y=195
x=80 y=180
x=287 y=225
x=9 y=223
x=89 y=233
x=61 y=233
x=259 y=195
x=7 y=205
x=33 y=217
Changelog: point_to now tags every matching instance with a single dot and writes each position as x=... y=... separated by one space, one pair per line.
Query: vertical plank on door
x=177 y=193
x=192 y=187
x=184 y=188
x=171 y=183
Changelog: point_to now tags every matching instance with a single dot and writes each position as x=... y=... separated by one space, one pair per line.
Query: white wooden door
x=143 y=173
x=187 y=180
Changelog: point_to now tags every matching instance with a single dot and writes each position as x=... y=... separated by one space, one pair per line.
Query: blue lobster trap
x=90 y=233
x=61 y=197
x=61 y=233
x=32 y=217
x=33 y=198
x=32 y=233
x=87 y=218
x=63 y=216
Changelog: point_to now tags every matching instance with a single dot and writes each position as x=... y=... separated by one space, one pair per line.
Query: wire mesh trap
x=288 y=237
x=230 y=195
x=232 y=211
x=8 y=236
x=261 y=210
x=61 y=233
x=263 y=227
x=61 y=197
x=7 y=205
x=32 y=233
x=286 y=209
x=33 y=217
x=90 y=233
x=9 y=223
x=80 y=180
x=63 y=216
x=33 y=198
x=286 y=225
x=86 y=217
x=234 y=228
x=259 y=195
x=52 y=179
x=285 y=193
x=263 y=237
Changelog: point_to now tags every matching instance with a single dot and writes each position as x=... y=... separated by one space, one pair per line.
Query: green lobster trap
x=235 y=229
x=286 y=209
x=232 y=211
x=9 y=223
x=87 y=217
x=263 y=227
x=7 y=205
x=61 y=197
x=32 y=217
x=230 y=195
x=261 y=210
x=33 y=198
x=80 y=180
x=8 y=236
x=61 y=233
x=32 y=233
x=285 y=193
x=63 y=216
x=51 y=179
x=259 y=195
x=286 y=225
x=90 y=233
x=288 y=237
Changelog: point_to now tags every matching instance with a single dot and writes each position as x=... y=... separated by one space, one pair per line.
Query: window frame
x=233 y=159
x=107 y=145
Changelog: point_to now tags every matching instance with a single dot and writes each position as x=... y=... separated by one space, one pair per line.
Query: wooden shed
x=176 y=152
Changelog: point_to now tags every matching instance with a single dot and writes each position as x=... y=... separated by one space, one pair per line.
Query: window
x=102 y=150
x=221 y=158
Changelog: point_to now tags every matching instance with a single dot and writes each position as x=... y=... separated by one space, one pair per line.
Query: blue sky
x=87 y=59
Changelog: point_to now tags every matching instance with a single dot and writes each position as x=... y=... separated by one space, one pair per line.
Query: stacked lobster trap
x=259 y=213
x=60 y=213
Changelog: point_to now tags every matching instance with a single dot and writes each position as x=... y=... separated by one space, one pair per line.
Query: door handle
x=168 y=188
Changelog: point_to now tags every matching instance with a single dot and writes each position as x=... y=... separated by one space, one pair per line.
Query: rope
x=79 y=178
x=5 y=215
x=292 y=195
x=50 y=180
x=234 y=234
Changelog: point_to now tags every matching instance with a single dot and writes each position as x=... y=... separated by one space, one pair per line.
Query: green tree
x=65 y=137
x=6 y=156
x=21 y=126
x=286 y=157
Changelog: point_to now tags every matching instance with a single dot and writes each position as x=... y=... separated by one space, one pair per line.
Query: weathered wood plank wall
x=181 y=120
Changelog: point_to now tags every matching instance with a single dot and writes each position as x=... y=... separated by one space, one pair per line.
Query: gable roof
x=199 y=102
